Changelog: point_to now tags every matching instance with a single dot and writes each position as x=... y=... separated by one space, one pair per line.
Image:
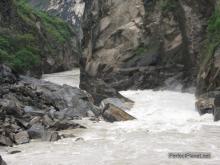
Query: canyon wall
x=143 y=44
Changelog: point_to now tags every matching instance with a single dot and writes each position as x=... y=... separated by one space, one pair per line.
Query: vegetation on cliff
x=208 y=78
x=28 y=35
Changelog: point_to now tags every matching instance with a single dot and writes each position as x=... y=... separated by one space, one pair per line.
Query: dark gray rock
x=36 y=131
x=5 y=140
x=47 y=121
x=7 y=75
x=21 y=137
x=217 y=108
x=51 y=136
x=2 y=162
x=13 y=151
x=33 y=112
x=217 y=114
x=11 y=107
x=39 y=107
x=65 y=124
x=79 y=139
x=112 y=113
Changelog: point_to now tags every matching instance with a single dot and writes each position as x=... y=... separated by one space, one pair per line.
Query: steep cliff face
x=32 y=41
x=142 y=44
x=208 y=78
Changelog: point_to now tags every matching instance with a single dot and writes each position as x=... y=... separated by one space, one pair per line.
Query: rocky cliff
x=31 y=41
x=142 y=44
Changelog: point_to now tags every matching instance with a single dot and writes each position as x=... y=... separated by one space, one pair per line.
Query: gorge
x=148 y=60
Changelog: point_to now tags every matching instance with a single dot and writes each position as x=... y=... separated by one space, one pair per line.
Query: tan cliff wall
x=143 y=44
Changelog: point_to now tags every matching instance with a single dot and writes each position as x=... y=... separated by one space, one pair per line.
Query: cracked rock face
x=136 y=44
x=141 y=44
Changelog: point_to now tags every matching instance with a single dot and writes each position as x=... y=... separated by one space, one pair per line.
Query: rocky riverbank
x=37 y=109
x=32 y=108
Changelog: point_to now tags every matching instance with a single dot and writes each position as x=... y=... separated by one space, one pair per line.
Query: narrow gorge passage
x=166 y=122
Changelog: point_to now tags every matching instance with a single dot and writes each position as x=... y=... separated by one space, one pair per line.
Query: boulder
x=21 y=137
x=7 y=75
x=11 y=107
x=36 y=131
x=217 y=108
x=2 y=162
x=217 y=114
x=111 y=113
x=51 y=136
x=205 y=105
x=5 y=141
x=120 y=103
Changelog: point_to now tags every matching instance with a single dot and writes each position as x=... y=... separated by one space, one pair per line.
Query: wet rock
x=40 y=108
x=47 y=121
x=79 y=139
x=36 y=131
x=217 y=108
x=67 y=136
x=120 y=103
x=217 y=114
x=21 y=137
x=2 y=162
x=5 y=141
x=205 y=105
x=51 y=136
x=13 y=152
x=65 y=124
x=112 y=113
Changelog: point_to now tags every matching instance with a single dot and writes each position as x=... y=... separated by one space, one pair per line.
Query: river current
x=166 y=122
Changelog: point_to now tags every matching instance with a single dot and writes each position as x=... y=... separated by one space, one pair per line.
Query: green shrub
x=4 y=44
x=4 y=56
x=23 y=45
x=214 y=22
x=25 y=60
x=140 y=50
x=213 y=37
x=167 y=5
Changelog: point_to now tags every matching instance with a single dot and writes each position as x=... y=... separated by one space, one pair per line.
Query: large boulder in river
x=112 y=113
x=120 y=103
x=205 y=105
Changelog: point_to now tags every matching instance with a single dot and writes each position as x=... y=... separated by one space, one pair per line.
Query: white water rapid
x=166 y=122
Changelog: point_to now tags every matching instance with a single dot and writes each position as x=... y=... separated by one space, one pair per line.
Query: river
x=166 y=122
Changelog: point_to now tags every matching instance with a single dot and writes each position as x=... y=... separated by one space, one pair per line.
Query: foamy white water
x=166 y=122
x=69 y=77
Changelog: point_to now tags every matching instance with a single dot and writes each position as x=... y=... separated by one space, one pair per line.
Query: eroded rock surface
x=142 y=44
x=112 y=113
